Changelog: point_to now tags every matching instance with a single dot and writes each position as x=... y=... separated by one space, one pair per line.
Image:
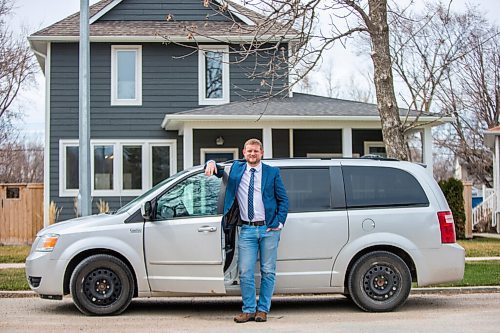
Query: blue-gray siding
x=158 y=10
x=169 y=85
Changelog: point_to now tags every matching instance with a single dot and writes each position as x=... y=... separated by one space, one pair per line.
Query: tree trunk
x=392 y=130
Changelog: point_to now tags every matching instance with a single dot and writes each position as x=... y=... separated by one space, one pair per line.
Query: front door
x=183 y=244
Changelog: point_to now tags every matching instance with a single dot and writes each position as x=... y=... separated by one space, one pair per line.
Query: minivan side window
x=194 y=196
x=308 y=189
x=381 y=187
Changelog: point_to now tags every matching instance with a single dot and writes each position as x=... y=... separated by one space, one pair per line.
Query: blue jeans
x=252 y=241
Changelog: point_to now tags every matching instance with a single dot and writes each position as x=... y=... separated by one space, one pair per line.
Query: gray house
x=169 y=90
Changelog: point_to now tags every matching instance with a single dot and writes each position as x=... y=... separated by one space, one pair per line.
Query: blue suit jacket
x=273 y=192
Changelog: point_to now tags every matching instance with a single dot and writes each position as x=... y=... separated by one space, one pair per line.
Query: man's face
x=253 y=154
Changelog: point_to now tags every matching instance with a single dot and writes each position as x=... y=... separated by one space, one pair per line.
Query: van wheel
x=379 y=281
x=102 y=285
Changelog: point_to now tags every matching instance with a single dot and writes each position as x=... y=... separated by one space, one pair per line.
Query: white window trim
x=63 y=192
x=370 y=144
x=203 y=151
x=138 y=75
x=147 y=165
x=327 y=155
x=202 y=100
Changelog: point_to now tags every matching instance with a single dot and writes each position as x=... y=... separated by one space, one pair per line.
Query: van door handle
x=207 y=229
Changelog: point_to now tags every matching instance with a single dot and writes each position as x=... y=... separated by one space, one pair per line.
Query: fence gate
x=21 y=213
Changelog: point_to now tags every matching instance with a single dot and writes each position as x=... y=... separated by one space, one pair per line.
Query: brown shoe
x=261 y=317
x=244 y=317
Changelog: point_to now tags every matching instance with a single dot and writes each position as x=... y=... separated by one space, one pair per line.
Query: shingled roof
x=299 y=107
x=70 y=27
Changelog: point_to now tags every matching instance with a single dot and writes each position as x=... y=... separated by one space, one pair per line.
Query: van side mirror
x=147 y=211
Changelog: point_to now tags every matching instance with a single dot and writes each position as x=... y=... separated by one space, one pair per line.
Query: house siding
x=169 y=85
x=151 y=10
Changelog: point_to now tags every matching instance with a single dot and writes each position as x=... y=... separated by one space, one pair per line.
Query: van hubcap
x=102 y=287
x=381 y=282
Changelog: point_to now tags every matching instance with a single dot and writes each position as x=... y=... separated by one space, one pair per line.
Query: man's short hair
x=253 y=142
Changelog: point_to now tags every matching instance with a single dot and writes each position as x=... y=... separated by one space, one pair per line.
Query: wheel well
x=395 y=250
x=85 y=254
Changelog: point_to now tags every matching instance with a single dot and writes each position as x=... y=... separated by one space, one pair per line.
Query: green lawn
x=13 y=279
x=479 y=273
x=481 y=247
x=14 y=254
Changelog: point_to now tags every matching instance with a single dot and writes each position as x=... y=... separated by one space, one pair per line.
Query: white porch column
x=267 y=137
x=496 y=178
x=188 y=146
x=290 y=141
x=347 y=142
x=427 y=149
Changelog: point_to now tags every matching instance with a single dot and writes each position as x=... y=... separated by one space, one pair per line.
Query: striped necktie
x=251 y=212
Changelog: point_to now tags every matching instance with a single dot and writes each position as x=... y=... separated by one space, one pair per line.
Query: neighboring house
x=158 y=108
x=492 y=140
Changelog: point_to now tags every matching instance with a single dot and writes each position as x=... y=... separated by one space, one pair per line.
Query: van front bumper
x=45 y=275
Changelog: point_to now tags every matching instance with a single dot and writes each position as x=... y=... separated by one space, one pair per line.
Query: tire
x=379 y=281
x=102 y=285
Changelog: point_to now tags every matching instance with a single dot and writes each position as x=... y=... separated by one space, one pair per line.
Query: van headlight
x=47 y=243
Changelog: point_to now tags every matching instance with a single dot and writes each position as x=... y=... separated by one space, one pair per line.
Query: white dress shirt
x=242 y=195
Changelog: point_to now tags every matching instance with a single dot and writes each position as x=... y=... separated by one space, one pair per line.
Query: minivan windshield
x=154 y=188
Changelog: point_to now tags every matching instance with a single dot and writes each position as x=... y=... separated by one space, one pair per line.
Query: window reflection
x=213 y=74
x=132 y=167
x=103 y=167
x=126 y=74
x=194 y=196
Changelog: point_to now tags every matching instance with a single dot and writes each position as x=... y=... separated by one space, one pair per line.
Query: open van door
x=183 y=244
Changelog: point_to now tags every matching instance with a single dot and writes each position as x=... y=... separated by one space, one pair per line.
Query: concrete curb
x=414 y=291
x=456 y=290
x=17 y=294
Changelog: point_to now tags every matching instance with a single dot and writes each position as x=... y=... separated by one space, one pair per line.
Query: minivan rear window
x=308 y=189
x=381 y=187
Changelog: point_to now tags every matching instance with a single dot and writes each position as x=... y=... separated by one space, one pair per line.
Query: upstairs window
x=213 y=76
x=126 y=75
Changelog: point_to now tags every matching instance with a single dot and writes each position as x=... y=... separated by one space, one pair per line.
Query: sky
x=32 y=15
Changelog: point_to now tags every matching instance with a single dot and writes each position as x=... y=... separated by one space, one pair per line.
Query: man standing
x=263 y=205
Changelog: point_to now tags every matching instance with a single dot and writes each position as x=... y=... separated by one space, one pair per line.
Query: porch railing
x=484 y=214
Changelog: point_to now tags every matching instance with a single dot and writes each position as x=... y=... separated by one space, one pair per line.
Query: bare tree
x=311 y=39
x=472 y=96
x=21 y=162
x=17 y=66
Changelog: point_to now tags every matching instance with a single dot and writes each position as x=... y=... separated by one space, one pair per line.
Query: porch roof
x=300 y=107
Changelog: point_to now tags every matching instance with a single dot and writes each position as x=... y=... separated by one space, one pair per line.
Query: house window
x=132 y=167
x=126 y=75
x=375 y=148
x=118 y=168
x=218 y=154
x=103 y=166
x=160 y=163
x=213 y=76
x=12 y=193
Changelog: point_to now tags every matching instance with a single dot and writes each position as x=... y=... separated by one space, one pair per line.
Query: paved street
x=422 y=313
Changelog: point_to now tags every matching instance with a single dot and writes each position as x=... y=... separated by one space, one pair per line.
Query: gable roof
x=204 y=30
x=299 y=107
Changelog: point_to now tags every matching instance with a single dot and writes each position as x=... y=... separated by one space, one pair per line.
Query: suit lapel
x=264 y=177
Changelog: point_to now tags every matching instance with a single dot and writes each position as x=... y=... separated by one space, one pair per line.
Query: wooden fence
x=21 y=213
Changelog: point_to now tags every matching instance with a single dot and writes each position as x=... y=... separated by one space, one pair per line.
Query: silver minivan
x=365 y=228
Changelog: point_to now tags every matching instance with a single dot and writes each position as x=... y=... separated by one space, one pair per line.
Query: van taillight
x=447 y=226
